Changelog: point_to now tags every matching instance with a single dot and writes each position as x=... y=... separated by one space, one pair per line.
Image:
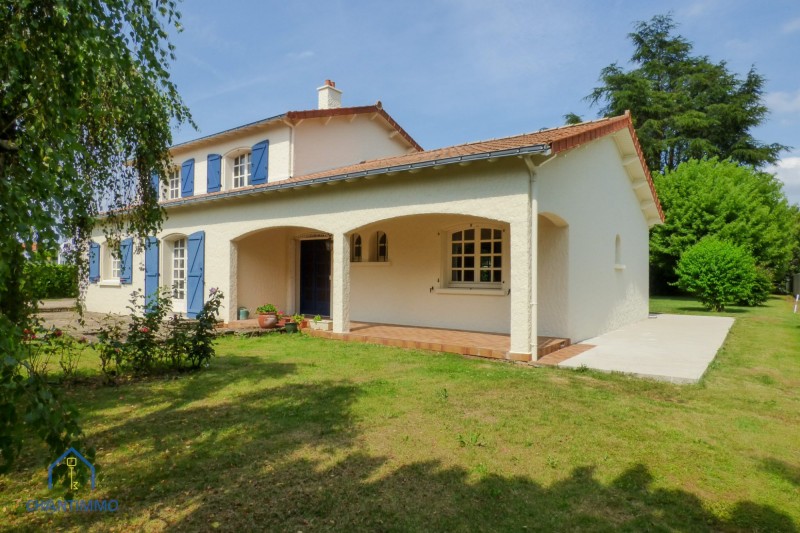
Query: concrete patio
x=674 y=348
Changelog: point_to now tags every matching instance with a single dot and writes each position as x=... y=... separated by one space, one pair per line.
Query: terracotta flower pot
x=267 y=320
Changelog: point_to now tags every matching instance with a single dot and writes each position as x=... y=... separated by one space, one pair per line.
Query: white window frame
x=178 y=275
x=472 y=252
x=241 y=168
x=174 y=184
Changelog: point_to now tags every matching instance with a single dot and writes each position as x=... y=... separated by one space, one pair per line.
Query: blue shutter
x=260 y=163
x=187 y=178
x=196 y=282
x=155 y=182
x=126 y=261
x=94 y=262
x=151 y=272
x=214 y=172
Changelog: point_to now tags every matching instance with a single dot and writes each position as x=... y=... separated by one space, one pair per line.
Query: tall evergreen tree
x=685 y=106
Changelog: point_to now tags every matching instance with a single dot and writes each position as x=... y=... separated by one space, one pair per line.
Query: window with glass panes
x=179 y=269
x=241 y=170
x=476 y=257
x=116 y=267
x=174 y=184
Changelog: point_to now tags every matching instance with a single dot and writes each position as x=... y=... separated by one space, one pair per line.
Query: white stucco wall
x=279 y=154
x=553 y=278
x=321 y=144
x=589 y=188
x=407 y=289
x=496 y=191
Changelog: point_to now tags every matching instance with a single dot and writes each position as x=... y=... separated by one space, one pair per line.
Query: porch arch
x=267 y=268
x=553 y=275
x=413 y=287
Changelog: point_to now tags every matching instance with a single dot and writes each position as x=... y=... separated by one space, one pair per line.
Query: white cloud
x=783 y=102
x=788 y=171
x=698 y=8
x=791 y=26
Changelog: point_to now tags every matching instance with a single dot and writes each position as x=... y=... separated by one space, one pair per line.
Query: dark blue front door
x=315 y=278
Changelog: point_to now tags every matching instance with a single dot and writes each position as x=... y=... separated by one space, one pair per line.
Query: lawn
x=302 y=434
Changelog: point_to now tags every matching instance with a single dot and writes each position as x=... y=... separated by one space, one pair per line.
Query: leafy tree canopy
x=86 y=110
x=685 y=106
x=721 y=198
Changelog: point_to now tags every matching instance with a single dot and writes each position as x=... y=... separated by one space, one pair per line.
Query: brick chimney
x=329 y=96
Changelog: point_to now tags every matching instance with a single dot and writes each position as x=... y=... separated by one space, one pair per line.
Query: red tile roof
x=557 y=139
x=295 y=116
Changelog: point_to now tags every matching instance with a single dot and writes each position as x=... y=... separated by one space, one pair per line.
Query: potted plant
x=291 y=324
x=300 y=319
x=267 y=316
x=320 y=324
x=282 y=318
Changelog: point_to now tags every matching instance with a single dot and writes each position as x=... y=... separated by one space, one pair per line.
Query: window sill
x=370 y=263
x=619 y=267
x=110 y=283
x=471 y=292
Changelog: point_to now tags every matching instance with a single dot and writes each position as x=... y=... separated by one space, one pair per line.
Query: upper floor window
x=476 y=257
x=174 y=189
x=241 y=170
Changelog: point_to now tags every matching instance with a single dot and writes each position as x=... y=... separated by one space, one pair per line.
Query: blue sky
x=457 y=71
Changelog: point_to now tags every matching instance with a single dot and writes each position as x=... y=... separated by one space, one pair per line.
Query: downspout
x=533 y=224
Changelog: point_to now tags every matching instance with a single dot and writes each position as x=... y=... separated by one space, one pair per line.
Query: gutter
x=350 y=176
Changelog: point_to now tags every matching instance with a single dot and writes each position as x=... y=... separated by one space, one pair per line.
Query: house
x=337 y=211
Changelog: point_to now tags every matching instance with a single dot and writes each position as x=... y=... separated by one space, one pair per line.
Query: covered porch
x=474 y=343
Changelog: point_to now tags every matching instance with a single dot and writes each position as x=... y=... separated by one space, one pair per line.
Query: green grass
x=301 y=434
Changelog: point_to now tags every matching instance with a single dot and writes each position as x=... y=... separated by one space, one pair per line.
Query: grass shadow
x=783 y=470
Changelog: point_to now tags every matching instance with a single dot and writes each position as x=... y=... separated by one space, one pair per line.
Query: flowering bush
x=153 y=343
x=43 y=345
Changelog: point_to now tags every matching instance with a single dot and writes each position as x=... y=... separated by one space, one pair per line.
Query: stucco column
x=232 y=293
x=340 y=283
x=524 y=276
x=521 y=280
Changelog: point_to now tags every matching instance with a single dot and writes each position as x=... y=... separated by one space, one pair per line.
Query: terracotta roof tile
x=557 y=139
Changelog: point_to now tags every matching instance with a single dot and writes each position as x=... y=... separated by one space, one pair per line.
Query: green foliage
x=153 y=344
x=717 y=272
x=684 y=106
x=86 y=113
x=266 y=308
x=720 y=198
x=51 y=280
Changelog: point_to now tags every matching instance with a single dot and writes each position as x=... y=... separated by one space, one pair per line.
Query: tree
x=723 y=199
x=684 y=106
x=717 y=272
x=85 y=121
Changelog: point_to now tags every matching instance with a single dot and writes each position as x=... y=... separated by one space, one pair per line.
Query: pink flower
x=57 y=333
x=144 y=329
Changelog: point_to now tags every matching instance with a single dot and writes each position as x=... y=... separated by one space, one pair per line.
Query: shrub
x=153 y=343
x=717 y=272
x=760 y=290
x=51 y=280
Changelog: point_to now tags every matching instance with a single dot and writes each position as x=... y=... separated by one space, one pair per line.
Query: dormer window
x=241 y=170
